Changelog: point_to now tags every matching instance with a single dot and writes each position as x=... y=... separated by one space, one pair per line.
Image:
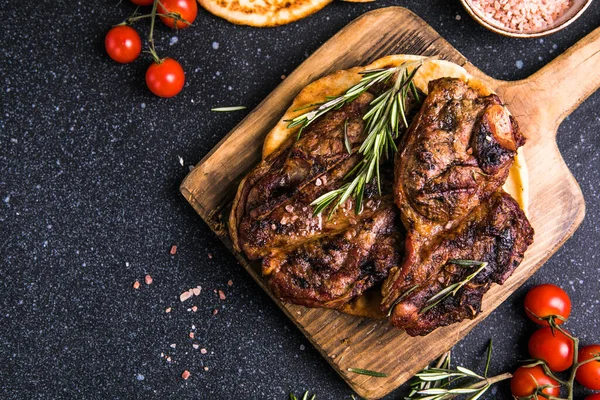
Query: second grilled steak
x=454 y=159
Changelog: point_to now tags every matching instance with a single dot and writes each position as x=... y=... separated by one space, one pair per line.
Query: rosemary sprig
x=382 y=121
x=367 y=372
x=441 y=381
x=346 y=141
x=455 y=287
x=304 y=396
x=369 y=78
x=418 y=384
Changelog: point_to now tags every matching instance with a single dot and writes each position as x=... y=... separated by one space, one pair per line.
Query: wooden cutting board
x=556 y=207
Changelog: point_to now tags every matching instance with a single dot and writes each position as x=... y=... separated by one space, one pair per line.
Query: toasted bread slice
x=263 y=13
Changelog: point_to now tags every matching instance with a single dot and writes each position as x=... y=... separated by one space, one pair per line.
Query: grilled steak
x=444 y=203
x=455 y=155
x=457 y=152
x=317 y=260
x=496 y=232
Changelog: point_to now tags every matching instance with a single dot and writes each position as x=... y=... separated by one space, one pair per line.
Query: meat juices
x=454 y=160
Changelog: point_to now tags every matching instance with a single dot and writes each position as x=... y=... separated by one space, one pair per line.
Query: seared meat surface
x=333 y=270
x=496 y=232
x=456 y=154
x=458 y=151
x=272 y=208
x=312 y=259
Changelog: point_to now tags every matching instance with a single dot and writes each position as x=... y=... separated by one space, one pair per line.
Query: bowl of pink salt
x=525 y=18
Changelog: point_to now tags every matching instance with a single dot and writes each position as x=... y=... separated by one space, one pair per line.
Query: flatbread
x=263 y=13
x=340 y=81
x=337 y=83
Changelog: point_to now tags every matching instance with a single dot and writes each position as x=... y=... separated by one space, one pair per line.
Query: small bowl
x=570 y=15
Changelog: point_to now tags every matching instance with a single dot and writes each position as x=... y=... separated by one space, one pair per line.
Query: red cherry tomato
x=593 y=397
x=554 y=348
x=143 y=2
x=546 y=300
x=187 y=9
x=589 y=374
x=123 y=44
x=165 y=78
x=525 y=381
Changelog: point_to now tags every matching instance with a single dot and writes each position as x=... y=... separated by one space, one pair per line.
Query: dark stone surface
x=89 y=176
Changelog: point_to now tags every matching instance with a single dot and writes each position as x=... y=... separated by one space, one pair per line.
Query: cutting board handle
x=557 y=89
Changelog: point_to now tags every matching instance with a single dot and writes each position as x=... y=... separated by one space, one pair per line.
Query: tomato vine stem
x=151 y=34
x=576 y=364
x=135 y=17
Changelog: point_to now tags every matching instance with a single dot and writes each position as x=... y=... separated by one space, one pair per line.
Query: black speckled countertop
x=89 y=175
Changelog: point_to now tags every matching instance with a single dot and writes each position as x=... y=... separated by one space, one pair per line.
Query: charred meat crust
x=458 y=150
x=294 y=166
x=496 y=232
x=331 y=271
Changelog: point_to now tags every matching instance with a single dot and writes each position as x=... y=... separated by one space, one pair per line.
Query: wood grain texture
x=556 y=209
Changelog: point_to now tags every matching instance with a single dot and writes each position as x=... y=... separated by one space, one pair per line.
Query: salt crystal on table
x=185 y=295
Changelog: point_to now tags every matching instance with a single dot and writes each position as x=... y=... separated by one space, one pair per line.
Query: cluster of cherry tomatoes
x=164 y=77
x=554 y=350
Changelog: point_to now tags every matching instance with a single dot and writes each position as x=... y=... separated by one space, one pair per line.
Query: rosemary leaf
x=448 y=391
x=489 y=358
x=468 y=372
x=481 y=392
x=399 y=299
x=325 y=200
x=466 y=263
x=367 y=372
x=304 y=396
x=346 y=141
x=455 y=287
x=431 y=377
x=228 y=109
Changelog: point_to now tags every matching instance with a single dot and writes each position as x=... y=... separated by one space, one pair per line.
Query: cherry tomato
x=187 y=9
x=593 y=397
x=589 y=374
x=123 y=44
x=546 y=300
x=523 y=382
x=165 y=78
x=554 y=348
x=143 y=2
